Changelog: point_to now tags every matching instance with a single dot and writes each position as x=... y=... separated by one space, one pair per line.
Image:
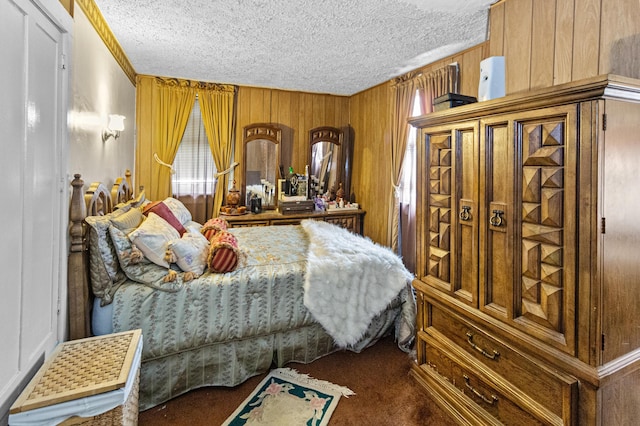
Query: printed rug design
x=286 y=397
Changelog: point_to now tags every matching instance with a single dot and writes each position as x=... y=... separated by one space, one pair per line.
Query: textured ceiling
x=324 y=46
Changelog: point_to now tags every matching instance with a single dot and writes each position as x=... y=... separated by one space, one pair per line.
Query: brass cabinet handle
x=493 y=355
x=465 y=213
x=477 y=393
x=496 y=219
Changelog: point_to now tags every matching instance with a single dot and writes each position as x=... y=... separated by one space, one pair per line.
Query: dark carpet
x=379 y=375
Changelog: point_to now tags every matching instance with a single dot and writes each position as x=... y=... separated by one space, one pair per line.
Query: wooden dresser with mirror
x=328 y=159
x=261 y=160
x=351 y=220
x=528 y=280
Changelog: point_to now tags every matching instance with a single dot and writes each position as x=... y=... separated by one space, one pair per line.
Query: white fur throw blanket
x=349 y=280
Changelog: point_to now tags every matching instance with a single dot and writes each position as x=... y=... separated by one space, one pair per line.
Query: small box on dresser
x=91 y=381
x=451 y=100
x=292 y=207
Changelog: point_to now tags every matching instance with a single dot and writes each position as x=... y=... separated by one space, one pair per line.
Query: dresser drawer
x=248 y=224
x=555 y=391
x=478 y=389
x=346 y=222
x=286 y=222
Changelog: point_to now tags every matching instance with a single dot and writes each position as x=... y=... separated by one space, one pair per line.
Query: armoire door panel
x=450 y=219
x=466 y=283
x=496 y=225
x=465 y=256
x=621 y=237
x=438 y=199
x=548 y=169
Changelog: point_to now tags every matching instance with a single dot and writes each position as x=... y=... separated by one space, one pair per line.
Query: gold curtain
x=403 y=96
x=430 y=85
x=163 y=106
x=436 y=83
x=217 y=102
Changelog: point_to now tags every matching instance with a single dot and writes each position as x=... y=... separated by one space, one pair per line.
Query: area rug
x=288 y=398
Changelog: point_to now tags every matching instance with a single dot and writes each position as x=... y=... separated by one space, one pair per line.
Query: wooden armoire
x=528 y=256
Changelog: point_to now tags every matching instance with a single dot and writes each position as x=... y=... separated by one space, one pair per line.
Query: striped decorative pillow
x=213 y=226
x=223 y=252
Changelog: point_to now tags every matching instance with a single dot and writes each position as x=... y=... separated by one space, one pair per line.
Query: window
x=193 y=181
x=407 y=185
x=407 y=243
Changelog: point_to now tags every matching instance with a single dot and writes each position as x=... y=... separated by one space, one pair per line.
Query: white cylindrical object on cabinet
x=492 y=84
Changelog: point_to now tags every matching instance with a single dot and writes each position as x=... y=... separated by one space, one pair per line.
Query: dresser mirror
x=261 y=154
x=326 y=164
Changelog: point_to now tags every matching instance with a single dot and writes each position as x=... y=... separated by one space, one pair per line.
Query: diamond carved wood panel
x=542 y=223
x=440 y=207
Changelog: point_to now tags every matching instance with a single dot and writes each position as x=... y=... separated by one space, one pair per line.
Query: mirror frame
x=270 y=133
x=332 y=135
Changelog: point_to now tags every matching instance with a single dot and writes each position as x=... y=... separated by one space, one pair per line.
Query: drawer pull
x=496 y=220
x=465 y=214
x=477 y=393
x=492 y=356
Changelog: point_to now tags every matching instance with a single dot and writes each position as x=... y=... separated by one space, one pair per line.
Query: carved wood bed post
x=77 y=283
x=122 y=190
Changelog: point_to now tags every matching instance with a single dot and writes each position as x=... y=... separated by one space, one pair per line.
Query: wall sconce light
x=115 y=126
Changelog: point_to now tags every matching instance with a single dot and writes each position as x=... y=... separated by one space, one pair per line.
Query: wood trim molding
x=102 y=28
x=609 y=86
x=68 y=5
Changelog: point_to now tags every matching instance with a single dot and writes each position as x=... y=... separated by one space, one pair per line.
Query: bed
x=297 y=293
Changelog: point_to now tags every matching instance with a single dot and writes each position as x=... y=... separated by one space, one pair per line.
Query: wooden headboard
x=96 y=201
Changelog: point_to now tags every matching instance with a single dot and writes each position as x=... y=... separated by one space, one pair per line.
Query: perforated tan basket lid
x=81 y=368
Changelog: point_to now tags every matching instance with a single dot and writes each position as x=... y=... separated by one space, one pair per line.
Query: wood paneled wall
x=371 y=179
x=295 y=112
x=371 y=123
x=545 y=43
x=550 y=42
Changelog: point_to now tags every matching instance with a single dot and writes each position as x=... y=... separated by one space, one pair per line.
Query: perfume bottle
x=293 y=182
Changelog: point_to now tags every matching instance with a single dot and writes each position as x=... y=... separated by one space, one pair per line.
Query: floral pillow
x=128 y=221
x=192 y=226
x=137 y=202
x=189 y=252
x=152 y=237
x=142 y=270
x=178 y=209
x=105 y=273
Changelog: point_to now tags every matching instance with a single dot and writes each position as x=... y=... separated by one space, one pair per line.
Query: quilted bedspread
x=262 y=296
x=221 y=329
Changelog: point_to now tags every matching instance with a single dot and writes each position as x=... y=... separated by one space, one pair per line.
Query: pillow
x=139 y=201
x=213 y=226
x=105 y=273
x=128 y=221
x=189 y=252
x=152 y=236
x=192 y=226
x=223 y=253
x=178 y=209
x=143 y=271
x=162 y=210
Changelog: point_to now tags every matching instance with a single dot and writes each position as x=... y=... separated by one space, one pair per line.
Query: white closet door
x=32 y=196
